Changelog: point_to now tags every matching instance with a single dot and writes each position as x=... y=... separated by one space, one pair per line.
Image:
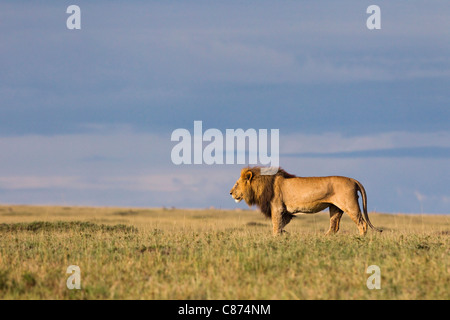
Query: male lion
x=282 y=195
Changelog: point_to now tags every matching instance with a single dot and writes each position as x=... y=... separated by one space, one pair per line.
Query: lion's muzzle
x=236 y=198
x=233 y=192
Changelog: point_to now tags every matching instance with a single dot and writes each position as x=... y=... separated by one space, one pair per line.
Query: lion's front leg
x=277 y=223
x=279 y=218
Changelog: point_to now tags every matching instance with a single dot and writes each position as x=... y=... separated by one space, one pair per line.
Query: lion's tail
x=364 y=202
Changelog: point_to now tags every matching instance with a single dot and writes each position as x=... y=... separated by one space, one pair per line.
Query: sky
x=86 y=116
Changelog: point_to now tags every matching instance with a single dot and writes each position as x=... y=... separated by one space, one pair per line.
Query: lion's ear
x=248 y=176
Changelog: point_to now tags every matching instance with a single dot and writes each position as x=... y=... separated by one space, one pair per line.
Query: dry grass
x=128 y=253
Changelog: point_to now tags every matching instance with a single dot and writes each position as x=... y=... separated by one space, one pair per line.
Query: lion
x=282 y=195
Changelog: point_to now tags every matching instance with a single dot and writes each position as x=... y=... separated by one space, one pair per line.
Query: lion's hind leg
x=335 y=218
x=355 y=214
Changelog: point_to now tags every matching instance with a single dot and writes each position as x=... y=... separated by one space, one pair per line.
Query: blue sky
x=86 y=115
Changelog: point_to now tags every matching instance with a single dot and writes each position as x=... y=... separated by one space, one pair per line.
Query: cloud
x=114 y=165
x=329 y=143
x=168 y=182
x=39 y=182
x=154 y=64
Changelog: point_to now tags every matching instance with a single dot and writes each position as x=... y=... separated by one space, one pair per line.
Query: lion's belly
x=307 y=208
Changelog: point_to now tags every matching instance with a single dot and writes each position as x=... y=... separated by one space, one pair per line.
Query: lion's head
x=255 y=188
x=241 y=188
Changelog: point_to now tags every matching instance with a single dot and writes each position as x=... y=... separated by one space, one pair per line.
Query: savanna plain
x=161 y=253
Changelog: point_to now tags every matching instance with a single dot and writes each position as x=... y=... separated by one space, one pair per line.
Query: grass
x=216 y=254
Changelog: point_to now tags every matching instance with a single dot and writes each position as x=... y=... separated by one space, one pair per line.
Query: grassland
x=128 y=253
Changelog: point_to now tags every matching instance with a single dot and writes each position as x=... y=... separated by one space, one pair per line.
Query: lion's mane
x=260 y=191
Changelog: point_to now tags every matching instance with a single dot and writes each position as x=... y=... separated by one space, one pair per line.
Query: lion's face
x=240 y=189
x=237 y=191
